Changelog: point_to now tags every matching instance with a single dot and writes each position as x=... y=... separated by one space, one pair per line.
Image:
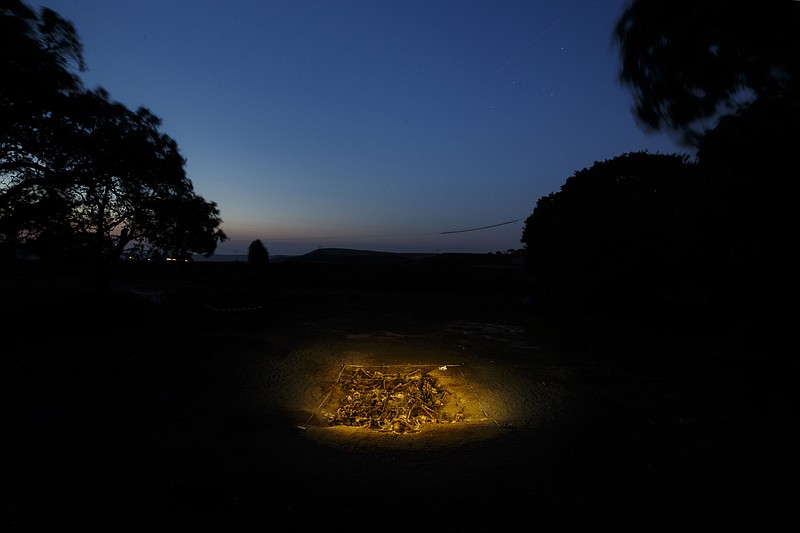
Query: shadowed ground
x=183 y=414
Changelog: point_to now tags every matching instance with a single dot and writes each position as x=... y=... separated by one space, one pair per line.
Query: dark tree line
x=654 y=237
x=83 y=177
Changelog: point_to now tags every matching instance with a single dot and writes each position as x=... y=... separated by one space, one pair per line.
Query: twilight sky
x=389 y=125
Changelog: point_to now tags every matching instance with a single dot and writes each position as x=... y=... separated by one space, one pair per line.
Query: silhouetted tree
x=40 y=55
x=691 y=60
x=84 y=176
x=727 y=77
x=257 y=254
x=748 y=161
x=611 y=241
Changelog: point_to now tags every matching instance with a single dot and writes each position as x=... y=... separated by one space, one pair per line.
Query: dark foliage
x=749 y=161
x=616 y=241
x=689 y=61
x=82 y=176
x=727 y=78
x=257 y=254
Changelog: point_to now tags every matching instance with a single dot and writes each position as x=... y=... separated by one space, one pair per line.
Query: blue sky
x=375 y=125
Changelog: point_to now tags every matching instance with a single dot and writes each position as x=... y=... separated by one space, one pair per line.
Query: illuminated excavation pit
x=399 y=398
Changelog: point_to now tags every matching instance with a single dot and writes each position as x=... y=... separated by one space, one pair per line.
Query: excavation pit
x=400 y=398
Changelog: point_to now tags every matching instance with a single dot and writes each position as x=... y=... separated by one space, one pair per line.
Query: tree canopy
x=611 y=241
x=257 y=253
x=711 y=237
x=690 y=61
x=81 y=175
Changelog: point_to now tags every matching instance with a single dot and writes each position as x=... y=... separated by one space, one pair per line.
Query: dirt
x=193 y=401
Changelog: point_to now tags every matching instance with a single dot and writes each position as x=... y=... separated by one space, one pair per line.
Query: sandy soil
x=204 y=412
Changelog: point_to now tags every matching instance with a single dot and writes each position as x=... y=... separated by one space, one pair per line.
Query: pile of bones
x=398 y=402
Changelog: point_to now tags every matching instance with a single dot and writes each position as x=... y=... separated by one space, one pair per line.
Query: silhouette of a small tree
x=257 y=254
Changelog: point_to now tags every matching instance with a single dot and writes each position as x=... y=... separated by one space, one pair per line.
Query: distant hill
x=343 y=252
x=232 y=258
x=216 y=258
x=348 y=255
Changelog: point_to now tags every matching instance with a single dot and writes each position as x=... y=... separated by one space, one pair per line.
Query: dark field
x=174 y=405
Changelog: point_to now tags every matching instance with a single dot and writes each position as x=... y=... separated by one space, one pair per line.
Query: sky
x=398 y=126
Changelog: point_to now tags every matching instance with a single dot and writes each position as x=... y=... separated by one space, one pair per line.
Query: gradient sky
x=378 y=124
